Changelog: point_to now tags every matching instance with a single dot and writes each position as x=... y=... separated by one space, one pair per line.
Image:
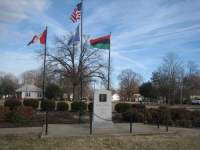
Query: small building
x=115 y=97
x=29 y=91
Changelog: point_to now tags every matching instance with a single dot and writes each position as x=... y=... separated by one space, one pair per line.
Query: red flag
x=39 y=38
x=43 y=37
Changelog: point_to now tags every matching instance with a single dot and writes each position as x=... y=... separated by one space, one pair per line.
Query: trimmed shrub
x=164 y=114
x=78 y=106
x=48 y=105
x=21 y=115
x=176 y=116
x=139 y=106
x=62 y=106
x=16 y=117
x=184 y=123
x=196 y=122
x=195 y=116
x=136 y=116
x=90 y=107
x=12 y=104
x=122 y=107
x=26 y=111
x=152 y=115
x=3 y=111
x=31 y=102
x=180 y=114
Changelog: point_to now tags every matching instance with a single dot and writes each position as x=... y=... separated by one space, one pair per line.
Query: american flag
x=76 y=14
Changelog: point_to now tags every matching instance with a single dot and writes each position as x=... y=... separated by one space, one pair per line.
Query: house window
x=39 y=94
x=28 y=94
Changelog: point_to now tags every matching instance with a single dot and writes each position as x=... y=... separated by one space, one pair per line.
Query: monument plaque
x=102 y=112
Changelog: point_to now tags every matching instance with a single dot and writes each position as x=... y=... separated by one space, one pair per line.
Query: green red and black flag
x=101 y=42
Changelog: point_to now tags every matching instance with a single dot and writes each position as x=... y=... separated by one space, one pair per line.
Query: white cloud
x=143 y=25
x=17 y=62
x=120 y=57
x=18 y=10
x=142 y=30
x=136 y=21
x=32 y=14
x=56 y=27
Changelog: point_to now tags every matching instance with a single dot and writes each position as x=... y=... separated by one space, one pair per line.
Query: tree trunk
x=74 y=91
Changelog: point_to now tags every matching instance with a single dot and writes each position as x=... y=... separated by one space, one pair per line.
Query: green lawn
x=154 y=142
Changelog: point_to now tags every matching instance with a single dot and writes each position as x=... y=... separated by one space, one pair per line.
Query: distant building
x=115 y=97
x=130 y=96
x=29 y=91
x=137 y=97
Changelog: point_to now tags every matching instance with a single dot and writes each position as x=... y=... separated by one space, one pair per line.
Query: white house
x=29 y=91
x=115 y=97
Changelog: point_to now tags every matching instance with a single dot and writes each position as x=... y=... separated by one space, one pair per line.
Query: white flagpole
x=81 y=74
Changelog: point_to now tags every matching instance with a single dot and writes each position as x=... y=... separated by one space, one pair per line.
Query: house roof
x=29 y=88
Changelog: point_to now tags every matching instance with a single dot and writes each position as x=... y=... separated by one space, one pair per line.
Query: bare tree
x=129 y=84
x=32 y=77
x=8 y=85
x=192 y=68
x=169 y=76
x=67 y=59
x=192 y=80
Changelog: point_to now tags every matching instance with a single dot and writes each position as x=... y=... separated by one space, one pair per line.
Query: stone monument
x=102 y=109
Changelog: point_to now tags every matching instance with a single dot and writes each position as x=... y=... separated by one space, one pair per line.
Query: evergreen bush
x=78 y=106
x=31 y=102
x=48 y=105
x=12 y=104
x=122 y=107
x=62 y=106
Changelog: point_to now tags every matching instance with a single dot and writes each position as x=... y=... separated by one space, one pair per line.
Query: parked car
x=195 y=102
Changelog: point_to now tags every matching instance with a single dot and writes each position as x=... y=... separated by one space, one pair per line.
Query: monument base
x=102 y=115
x=102 y=125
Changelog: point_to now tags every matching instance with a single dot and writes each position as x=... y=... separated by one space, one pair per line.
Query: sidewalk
x=65 y=130
x=24 y=130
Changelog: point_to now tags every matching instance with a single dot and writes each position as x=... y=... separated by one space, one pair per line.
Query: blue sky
x=143 y=31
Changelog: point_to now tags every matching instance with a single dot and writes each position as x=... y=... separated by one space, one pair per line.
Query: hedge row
x=31 y=102
x=124 y=107
x=3 y=111
x=175 y=116
x=78 y=106
x=62 y=106
x=19 y=115
x=12 y=104
x=49 y=105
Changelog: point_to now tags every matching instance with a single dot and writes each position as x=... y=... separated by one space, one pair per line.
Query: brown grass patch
x=155 y=142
